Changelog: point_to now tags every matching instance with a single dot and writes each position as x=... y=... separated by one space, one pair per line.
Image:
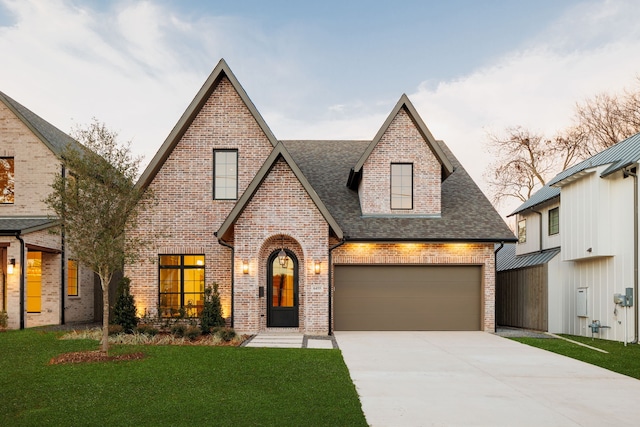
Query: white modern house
x=575 y=265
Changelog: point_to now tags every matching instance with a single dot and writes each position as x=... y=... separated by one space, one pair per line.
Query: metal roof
x=621 y=155
x=543 y=195
x=506 y=258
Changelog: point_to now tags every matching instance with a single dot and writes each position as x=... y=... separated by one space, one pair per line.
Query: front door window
x=282 y=292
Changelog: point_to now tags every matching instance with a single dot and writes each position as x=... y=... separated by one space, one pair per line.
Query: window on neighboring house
x=401 y=186
x=522 y=231
x=7 y=181
x=225 y=174
x=554 y=221
x=72 y=278
x=181 y=285
x=34 y=282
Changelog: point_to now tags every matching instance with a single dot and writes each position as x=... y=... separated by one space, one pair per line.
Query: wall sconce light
x=245 y=267
x=316 y=267
x=10 y=267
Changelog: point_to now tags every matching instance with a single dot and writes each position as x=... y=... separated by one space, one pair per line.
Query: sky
x=321 y=70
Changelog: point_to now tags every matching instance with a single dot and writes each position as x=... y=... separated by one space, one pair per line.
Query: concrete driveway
x=480 y=379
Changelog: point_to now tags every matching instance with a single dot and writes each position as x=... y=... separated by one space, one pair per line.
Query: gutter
x=62 y=261
x=626 y=173
x=495 y=275
x=329 y=269
x=233 y=261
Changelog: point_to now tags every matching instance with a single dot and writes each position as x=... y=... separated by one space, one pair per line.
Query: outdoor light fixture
x=316 y=267
x=245 y=267
x=12 y=264
x=282 y=256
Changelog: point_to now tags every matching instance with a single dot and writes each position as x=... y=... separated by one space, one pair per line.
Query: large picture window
x=7 y=182
x=401 y=186
x=554 y=221
x=225 y=174
x=181 y=285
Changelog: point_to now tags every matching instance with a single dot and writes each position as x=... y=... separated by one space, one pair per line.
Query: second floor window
x=225 y=174
x=7 y=182
x=522 y=231
x=554 y=221
x=401 y=186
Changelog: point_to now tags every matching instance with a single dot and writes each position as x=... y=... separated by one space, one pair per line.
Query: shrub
x=226 y=334
x=192 y=332
x=211 y=315
x=124 y=310
x=115 y=329
x=147 y=330
x=178 y=330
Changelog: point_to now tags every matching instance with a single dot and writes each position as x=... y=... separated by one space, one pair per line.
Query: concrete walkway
x=480 y=379
x=290 y=340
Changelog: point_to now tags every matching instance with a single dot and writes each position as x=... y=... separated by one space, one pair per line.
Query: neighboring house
x=314 y=236
x=577 y=249
x=41 y=283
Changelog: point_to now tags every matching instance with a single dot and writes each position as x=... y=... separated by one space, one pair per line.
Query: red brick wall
x=429 y=253
x=402 y=143
x=186 y=216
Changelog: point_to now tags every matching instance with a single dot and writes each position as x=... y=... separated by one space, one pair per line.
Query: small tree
x=95 y=199
x=211 y=315
x=124 y=310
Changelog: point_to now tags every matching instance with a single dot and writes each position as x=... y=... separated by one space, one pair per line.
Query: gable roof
x=52 y=137
x=279 y=151
x=221 y=70
x=466 y=216
x=619 y=156
x=405 y=103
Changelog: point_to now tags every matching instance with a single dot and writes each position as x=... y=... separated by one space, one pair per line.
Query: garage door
x=407 y=298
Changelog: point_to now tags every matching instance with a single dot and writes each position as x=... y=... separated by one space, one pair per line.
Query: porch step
x=277 y=340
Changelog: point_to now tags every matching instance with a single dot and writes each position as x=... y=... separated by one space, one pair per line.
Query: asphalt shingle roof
x=50 y=135
x=467 y=215
x=25 y=225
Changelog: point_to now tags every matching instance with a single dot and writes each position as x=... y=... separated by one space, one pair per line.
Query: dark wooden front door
x=282 y=292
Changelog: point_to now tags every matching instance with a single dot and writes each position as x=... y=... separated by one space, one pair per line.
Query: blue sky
x=320 y=70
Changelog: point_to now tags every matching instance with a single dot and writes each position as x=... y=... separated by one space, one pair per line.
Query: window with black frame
x=181 y=285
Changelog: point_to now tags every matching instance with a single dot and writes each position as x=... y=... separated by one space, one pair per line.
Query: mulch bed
x=93 y=356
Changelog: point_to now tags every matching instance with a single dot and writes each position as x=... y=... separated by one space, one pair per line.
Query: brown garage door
x=407 y=298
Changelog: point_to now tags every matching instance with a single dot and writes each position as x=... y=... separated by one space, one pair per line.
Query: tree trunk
x=105 y=314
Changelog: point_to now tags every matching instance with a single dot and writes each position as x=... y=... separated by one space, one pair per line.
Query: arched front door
x=282 y=292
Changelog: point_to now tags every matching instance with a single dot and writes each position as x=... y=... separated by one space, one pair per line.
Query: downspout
x=495 y=274
x=629 y=172
x=233 y=262
x=22 y=281
x=329 y=269
x=62 y=261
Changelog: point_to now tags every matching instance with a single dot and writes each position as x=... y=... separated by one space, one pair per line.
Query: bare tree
x=95 y=200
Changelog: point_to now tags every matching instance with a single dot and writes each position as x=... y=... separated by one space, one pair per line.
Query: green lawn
x=173 y=385
x=621 y=359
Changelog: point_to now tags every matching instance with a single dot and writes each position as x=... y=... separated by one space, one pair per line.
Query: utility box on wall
x=581 y=302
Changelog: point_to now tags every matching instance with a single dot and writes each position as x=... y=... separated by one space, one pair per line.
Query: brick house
x=314 y=236
x=41 y=284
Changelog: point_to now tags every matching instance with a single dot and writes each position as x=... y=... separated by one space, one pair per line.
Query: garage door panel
x=407 y=298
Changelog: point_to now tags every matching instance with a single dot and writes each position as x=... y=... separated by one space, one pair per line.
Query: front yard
x=172 y=385
x=621 y=359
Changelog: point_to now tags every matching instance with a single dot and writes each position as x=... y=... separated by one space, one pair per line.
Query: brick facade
x=186 y=215
x=429 y=254
x=35 y=167
x=401 y=143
